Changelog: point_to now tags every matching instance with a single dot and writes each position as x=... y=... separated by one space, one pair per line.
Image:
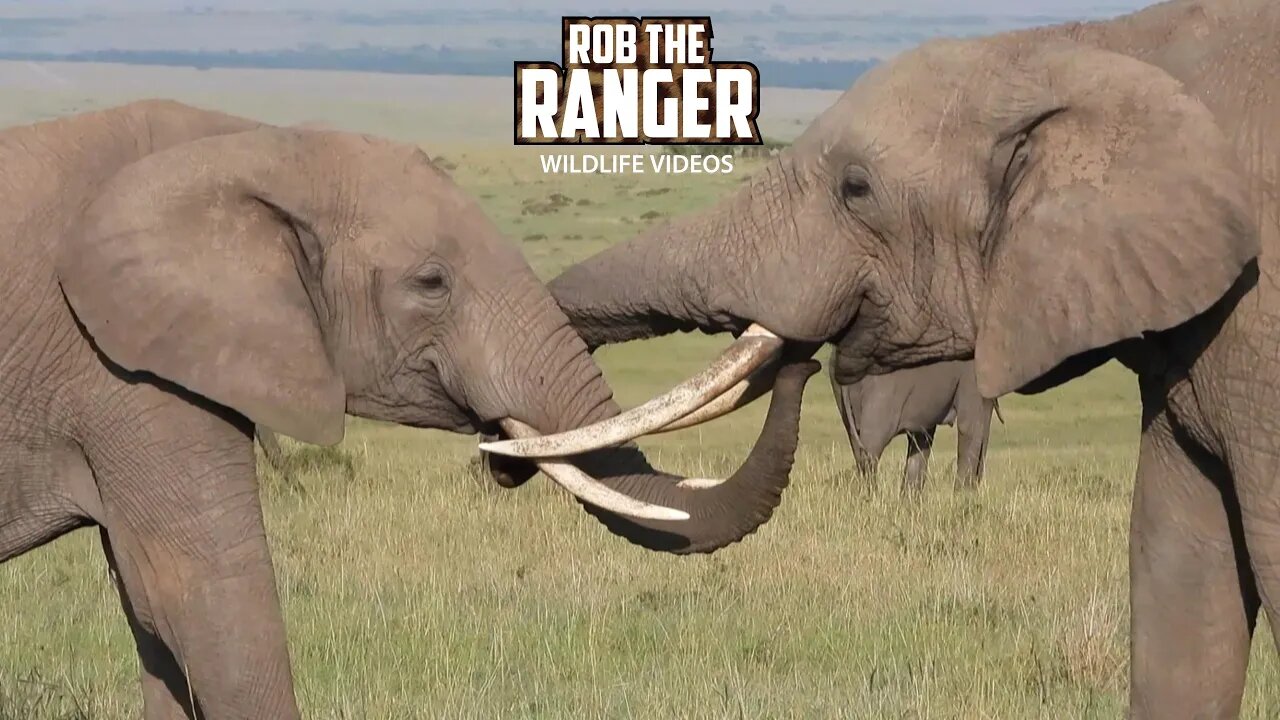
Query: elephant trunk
x=720 y=512
x=566 y=390
x=645 y=287
x=742 y=261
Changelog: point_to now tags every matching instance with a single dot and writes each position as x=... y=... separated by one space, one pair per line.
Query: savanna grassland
x=415 y=589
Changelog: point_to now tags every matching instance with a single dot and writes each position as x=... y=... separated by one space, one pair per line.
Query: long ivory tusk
x=754 y=348
x=587 y=488
x=737 y=397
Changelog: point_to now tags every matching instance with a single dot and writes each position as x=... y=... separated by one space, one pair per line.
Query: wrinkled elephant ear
x=1120 y=210
x=189 y=264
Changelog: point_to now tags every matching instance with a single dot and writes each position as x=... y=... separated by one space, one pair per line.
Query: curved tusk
x=701 y=483
x=754 y=348
x=588 y=489
x=737 y=397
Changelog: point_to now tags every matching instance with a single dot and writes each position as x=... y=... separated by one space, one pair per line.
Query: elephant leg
x=867 y=464
x=165 y=694
x=1193 y=603
x=214 y=614
x=868 y=449
x=919 y=446
x=973 y=428
x=867 y=444
x=1261 y=520
x=185 y=534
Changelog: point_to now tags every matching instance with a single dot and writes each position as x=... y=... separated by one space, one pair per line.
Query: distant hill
x=424 y=60
x=818 y=44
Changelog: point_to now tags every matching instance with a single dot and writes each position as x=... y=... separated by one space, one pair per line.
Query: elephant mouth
x=745 y=371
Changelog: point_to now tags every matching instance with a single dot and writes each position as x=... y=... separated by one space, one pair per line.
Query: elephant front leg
x=864 y=459
x=165 y=694
x=215 y=616
x=867 y=464
x=919 y=447
x=184 y=533
x=1193 y=603
x=973 y=428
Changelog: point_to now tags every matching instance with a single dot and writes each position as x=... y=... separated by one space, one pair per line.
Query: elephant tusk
x=737 y=397
x=753 y=349
x=588 y=489
x=700 y=483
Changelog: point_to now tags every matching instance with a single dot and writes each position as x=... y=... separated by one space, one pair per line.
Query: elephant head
x=1026 y=203
x=294 y=275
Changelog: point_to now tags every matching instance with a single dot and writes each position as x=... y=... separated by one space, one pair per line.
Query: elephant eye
x=432 y=281
x=856 y=184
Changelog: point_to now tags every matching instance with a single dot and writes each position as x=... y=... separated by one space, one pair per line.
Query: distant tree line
x=428 y=60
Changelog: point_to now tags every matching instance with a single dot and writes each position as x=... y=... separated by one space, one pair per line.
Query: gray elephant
x=914 y=402
x=174 y=277
x=1040 y=201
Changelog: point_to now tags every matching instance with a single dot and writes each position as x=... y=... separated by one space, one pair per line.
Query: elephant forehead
x=461 y=239
x=915 y=112
x=940 y=82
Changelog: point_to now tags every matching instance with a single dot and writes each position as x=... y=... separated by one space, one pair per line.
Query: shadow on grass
x=32 y=698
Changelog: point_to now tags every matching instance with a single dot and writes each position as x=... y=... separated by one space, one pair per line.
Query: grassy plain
x=412 y=589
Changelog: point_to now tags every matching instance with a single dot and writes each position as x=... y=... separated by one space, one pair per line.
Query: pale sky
x=931 y=7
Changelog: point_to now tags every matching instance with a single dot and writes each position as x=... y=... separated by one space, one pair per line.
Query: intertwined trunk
x=749 y=258
x=566 y=390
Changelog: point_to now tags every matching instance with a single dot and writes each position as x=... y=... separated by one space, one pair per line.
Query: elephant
x=915 y=401
x=1041 y=202
x=175 y=277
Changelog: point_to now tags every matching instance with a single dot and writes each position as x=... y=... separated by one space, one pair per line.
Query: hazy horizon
x=902 y=7
x=821 y=44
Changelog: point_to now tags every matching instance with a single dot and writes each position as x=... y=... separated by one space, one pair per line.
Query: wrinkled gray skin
x=1041 y=201
x=174 y=277
x=914 y=402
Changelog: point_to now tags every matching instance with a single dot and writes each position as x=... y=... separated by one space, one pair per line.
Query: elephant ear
x=1119 y=209
x=192 y=264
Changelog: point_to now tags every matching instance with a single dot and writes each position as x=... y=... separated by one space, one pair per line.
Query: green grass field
x=413 y=589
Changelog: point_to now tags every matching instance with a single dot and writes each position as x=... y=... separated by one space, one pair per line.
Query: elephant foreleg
x=1193 y=602
x=165 y=695
x=865 y=459
x=867 y=464
x=185 y=534
x=214 y=615
x=919 y=447
x=973 y=428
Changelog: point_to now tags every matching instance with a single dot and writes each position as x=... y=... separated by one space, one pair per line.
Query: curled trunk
x=720 y=514
x=574 y=394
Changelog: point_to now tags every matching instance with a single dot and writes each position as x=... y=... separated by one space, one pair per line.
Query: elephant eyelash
x=432 y=282
x=856 y=188
x=855 y=184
